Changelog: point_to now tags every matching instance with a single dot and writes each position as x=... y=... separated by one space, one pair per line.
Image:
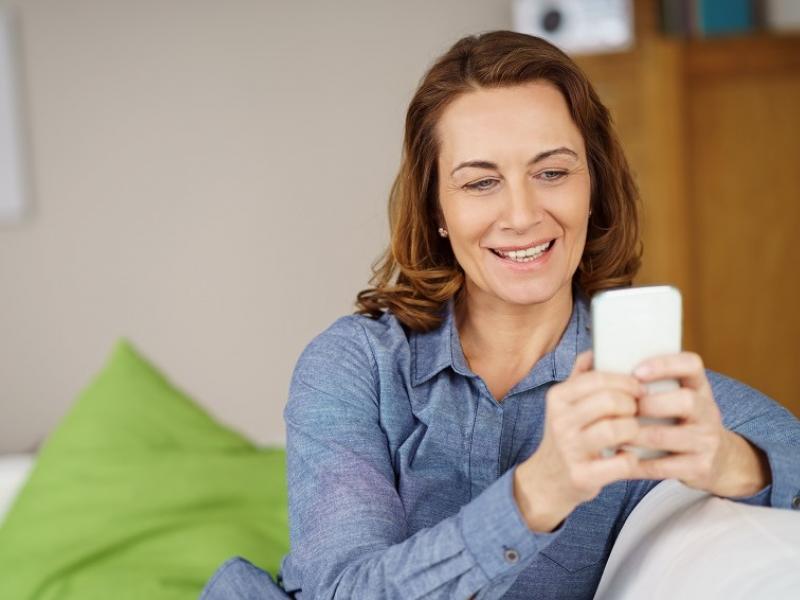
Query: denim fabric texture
x=400 y=469
x=239 y=579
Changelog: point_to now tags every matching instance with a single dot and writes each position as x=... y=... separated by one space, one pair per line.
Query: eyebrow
x=485 y=164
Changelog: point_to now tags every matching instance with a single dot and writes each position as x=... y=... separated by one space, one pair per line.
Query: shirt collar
x=439 y=348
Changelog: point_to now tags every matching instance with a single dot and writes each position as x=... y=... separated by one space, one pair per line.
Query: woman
x=445 y=441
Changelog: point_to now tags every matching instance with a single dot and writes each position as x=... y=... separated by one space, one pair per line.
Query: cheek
x=469 y=224
x=571 y=207
x=467 y=227
x=579 y=238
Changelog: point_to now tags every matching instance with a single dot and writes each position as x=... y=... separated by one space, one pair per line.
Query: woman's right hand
x=584 y=414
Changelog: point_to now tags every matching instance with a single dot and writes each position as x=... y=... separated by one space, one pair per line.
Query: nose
x=521 y=209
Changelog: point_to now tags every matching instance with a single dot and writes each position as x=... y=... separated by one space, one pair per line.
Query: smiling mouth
x=527 y=255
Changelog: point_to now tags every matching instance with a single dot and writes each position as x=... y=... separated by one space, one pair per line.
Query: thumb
x=583 y=363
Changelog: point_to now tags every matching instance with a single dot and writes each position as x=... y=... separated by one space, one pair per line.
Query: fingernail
x=642 y=371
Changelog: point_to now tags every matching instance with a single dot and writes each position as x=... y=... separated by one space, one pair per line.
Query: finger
x=623 y=465
x=687 y=367
x=583 y=363
x=584 y=384
x=672 y=438
x=608 y=433
x=605 y=403
x=680 y=403
x=677 y=466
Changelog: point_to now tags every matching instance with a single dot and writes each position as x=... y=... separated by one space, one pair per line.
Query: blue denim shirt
x=400 y=466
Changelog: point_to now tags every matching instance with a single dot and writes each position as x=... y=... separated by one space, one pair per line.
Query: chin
x=526 y=296
x=537 y=283
x=527 y=300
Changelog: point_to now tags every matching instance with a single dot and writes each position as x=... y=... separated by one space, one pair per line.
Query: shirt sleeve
x=348 y=531
x=771 y=428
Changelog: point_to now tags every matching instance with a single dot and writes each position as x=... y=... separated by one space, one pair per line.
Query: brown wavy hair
x=418 y=273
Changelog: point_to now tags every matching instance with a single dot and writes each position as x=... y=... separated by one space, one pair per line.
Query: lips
x=518 y=248
x=521 y=261
x=528 y=252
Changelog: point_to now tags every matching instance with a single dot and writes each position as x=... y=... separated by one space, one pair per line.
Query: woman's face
x=514 y=191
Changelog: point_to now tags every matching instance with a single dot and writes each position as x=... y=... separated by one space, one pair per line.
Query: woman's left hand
x=706 y=456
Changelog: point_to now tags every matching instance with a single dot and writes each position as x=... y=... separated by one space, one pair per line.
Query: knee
x=236 y=565
x=228 y=575
x=238 y=577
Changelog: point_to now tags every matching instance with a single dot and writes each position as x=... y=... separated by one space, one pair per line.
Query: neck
x=492 y=330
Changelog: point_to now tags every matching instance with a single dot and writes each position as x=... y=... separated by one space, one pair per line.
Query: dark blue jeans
x=238 y=579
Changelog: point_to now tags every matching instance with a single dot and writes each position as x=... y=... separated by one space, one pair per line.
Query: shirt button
x=511 y=555
x=796 y=502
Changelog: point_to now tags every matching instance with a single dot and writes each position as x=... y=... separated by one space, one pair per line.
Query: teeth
x=525 y=255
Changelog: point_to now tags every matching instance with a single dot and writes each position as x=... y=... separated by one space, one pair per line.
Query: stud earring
x=443 y=232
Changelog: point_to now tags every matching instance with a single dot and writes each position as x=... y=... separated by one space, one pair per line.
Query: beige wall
x=210 y=180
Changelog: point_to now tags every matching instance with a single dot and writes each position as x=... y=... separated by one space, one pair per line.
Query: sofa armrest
x=683 y=543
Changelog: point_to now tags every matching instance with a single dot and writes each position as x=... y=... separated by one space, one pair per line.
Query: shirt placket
x=485 y=446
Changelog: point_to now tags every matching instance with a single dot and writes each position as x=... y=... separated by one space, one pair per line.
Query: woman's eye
x=552 y=175
x=482 y=185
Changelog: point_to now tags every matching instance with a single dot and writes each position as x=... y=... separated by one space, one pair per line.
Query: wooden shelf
x=747 y=55
x=712 y=133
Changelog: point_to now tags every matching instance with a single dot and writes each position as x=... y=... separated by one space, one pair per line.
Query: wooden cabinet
x=712 y=131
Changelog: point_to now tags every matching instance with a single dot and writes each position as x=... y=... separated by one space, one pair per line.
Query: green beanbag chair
x=140 y=494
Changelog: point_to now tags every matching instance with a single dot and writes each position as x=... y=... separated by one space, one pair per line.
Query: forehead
x=492 y=122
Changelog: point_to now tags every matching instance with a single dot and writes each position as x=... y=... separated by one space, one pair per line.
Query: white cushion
x=14 y=470
x=682 y=543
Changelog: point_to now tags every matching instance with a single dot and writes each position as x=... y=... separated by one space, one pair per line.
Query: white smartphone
x=630 y=325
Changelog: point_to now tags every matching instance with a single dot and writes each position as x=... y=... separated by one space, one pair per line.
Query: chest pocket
x=586 y=537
